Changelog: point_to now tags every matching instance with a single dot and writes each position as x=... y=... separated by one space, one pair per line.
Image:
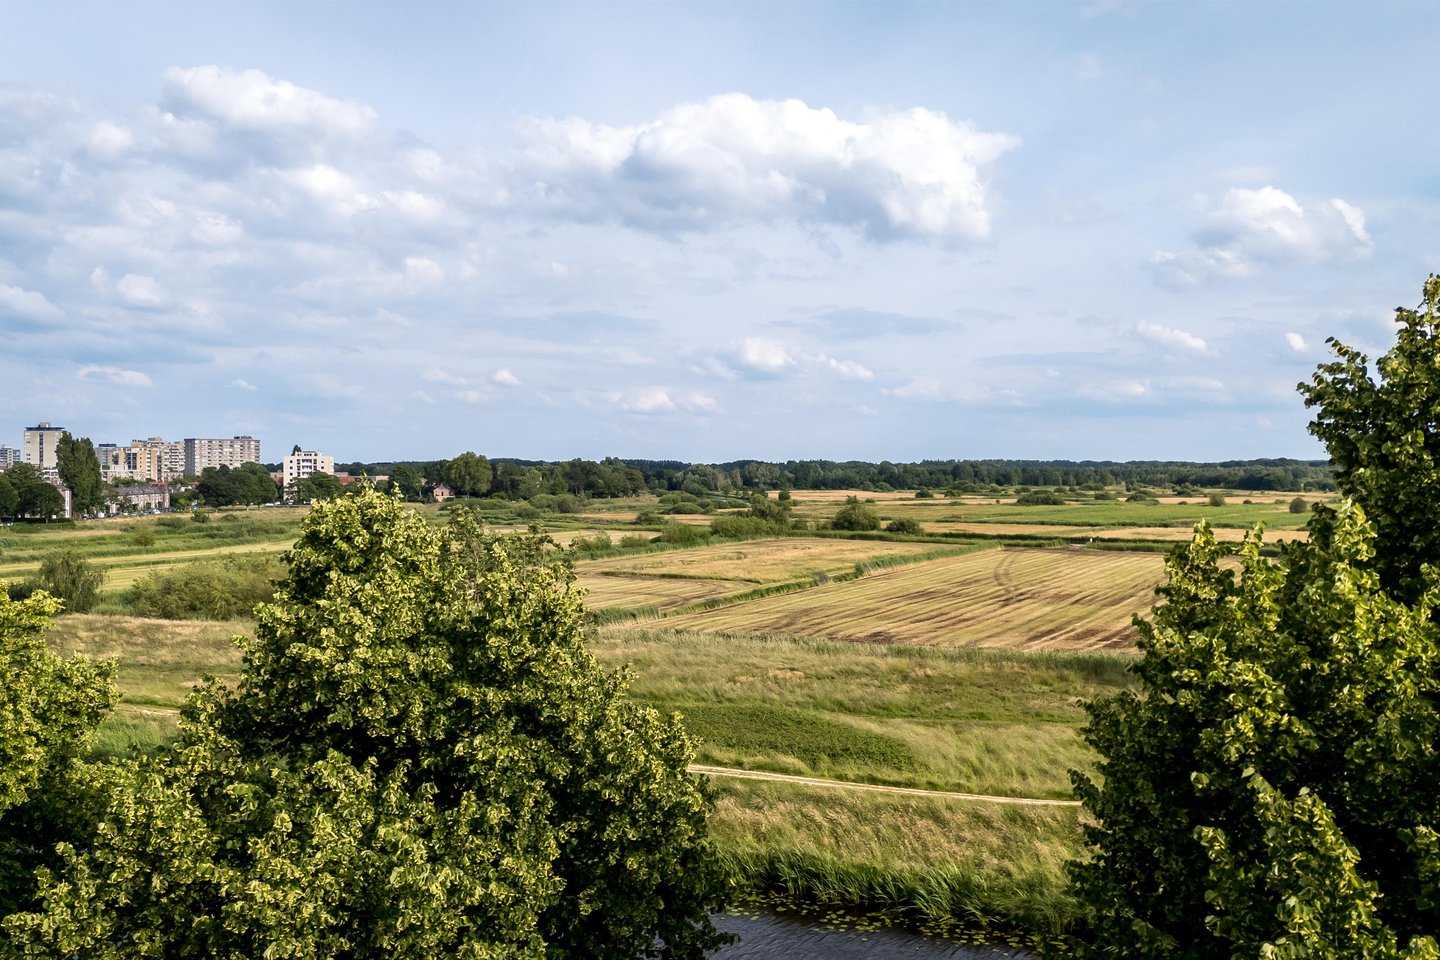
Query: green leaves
x=1273 y=789
x=421 y=759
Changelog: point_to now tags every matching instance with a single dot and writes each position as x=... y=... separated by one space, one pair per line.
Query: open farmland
x=1022 y=599
x=662 y=593
x=757 y=561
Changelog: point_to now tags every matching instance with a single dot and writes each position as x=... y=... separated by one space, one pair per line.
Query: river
x=767 y=936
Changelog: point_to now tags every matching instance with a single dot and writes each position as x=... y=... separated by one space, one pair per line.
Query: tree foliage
x=1383 y=435
x=34 y=496
x=469 y=475
x=48 y=706
x=249 y=483
x=1271 y=788
x=421 y=759
x=318 y=486
x=72 y=579
x=9 y=499
x=854 y=515
x=79 y=470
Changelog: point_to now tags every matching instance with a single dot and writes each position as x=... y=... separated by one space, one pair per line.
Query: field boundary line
x=736 y=773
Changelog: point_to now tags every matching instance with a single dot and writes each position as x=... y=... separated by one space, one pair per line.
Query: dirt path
x=873 y=787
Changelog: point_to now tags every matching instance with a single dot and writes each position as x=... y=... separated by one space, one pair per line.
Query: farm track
x=710 y=771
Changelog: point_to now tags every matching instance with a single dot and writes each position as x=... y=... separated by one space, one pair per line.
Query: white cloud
x=1249 y=229
x=1089 y=65
x=506 y=378
x=1171 y=338
x=436 y=375
x=140 y=291
x=26 y=304
x=659 y=400
x=243 y=384
x=1117 y=391
x=763 y=355
x=1297 y=342
x=109 y=141
x=252 y=101
x=846 y=369
x=897 y=173
x=115 y=375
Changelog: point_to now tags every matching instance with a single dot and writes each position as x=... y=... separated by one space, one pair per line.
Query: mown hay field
x=663 y=593
x=757 y=561
x=1015 y=598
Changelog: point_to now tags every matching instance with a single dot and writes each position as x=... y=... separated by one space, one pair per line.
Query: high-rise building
x=202 y=453
x=300 y=465
x=9 y=456
x=40 y=443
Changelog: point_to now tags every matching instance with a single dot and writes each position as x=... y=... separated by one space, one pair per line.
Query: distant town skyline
x=707 y=232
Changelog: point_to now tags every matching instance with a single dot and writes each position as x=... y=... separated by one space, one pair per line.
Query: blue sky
x=707 y=231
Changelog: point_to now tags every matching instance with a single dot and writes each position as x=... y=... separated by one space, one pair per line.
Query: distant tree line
x=470 y=474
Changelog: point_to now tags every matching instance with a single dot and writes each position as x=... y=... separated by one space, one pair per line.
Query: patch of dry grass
x=757 y=561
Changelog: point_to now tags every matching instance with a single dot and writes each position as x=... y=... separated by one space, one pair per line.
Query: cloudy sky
x=707 y=231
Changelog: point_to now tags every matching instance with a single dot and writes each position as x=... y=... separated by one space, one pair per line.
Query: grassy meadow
x=955 y=660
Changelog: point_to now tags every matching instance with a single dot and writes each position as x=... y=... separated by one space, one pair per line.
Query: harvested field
x=1001 y=529
x=757 y=561
x=1021 y=599
x=1181 y=535
x=663 y=593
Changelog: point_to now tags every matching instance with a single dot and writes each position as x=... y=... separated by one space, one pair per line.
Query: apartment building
x=300 y=465
x=9 y=456
x=202 y=453
x=40 y=443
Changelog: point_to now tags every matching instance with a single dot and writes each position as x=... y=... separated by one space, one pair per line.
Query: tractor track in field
x=710 y=771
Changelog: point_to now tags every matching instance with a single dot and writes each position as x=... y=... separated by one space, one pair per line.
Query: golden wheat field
x=758 y=561
x=1016 y=598
x=663 y=593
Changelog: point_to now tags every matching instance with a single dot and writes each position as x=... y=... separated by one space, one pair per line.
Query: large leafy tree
x=48 y=707
x=1272 y=789
x=34 y=496
x=421 y=759
x=1383 y=435
x=469 y=475
x=9 y=499
x=79 y=470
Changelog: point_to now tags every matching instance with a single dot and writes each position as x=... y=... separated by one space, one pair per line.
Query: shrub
x=200 y=516
x=1299 y=505
x=855 y=516
x=904 y=525
x=1216 y=499
x=684 y=533
x=924 y=494
x=633 y=541
x=143 y=537
x=1039 y=500
x=212 y=590
x=596 y=544
x=71 y=578
x=738 y=527
x=647 y=518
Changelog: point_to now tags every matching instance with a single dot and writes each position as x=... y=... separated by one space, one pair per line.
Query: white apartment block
x=300 y=465
x=202 y=453
x=40 y=443
x=153 y=460
x=9 y=456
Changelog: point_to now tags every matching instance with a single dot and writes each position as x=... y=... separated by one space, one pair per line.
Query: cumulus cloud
x=505 y=378
x=1171 y=338
x=909 y=173
x=26 y=304
x=1117 y=391
x=115 y=375
x=252 y=101
x=660 y=400
x=1249 y=229
x=242 y=384
x=1296 y=342
x=846 y=369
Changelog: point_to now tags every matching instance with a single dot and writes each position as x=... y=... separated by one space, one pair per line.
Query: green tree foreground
x=1272 y=788
x=420 y=760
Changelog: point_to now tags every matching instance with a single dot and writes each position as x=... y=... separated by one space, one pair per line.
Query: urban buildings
x=40 y=443
x=202 y=453
x=303 y=463
x=9 y=456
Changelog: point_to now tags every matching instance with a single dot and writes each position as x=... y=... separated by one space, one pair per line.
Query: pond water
x=767 y=936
